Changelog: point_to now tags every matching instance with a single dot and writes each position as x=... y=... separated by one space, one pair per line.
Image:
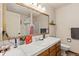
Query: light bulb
x=35 y=4
x=39 y=6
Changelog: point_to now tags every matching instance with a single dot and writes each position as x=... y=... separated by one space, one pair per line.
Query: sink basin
x=41 y=42
x=4 y=49
x=45 y=42
x=14 y=52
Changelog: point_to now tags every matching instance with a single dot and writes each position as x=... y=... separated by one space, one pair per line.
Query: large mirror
x=24 y=20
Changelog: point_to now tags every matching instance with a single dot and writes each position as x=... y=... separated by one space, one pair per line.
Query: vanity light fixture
x=39 y=6
x=44 y=8
x=35 y=4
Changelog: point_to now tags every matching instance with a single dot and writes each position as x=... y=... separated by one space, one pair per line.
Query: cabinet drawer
x=53 y=53
x=52 y=48
x=58 y=48
x=45 y=53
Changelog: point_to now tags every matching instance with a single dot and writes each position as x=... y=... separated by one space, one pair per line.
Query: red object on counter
x=28 y=39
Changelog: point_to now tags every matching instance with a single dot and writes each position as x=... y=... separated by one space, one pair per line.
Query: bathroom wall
x=12 y=23
x=0 y=21
x=51 y=13
x=67 y=17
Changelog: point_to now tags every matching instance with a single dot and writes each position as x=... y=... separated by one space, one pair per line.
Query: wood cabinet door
x=59 y=53
x=45 y=53
x=52 y=48
x=53 y=53
x=58 y=47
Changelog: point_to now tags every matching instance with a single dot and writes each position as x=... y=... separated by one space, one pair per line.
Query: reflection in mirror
x=24 y=24
x=20 y=19
x=40 y=23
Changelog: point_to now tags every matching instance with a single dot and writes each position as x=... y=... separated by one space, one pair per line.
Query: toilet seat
x=64 y=49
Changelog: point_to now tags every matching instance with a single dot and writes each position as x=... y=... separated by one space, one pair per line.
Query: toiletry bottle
x=28 y=39
x=19 y=39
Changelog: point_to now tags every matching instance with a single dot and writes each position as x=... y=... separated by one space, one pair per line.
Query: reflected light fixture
x=44 y=8
x=39 y=6
x=35 y=4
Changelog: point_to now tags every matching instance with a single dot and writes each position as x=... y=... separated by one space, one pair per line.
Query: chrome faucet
x=43 y=35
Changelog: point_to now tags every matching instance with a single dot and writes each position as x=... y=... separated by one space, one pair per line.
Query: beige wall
x=0 y=21
x=67 y=17
x=12 y=23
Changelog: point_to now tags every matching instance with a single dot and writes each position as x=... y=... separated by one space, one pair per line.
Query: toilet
x=64 y=48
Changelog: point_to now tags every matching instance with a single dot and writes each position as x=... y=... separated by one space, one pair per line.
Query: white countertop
x=33 y=48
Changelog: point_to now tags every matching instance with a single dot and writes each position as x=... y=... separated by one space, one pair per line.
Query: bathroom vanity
x=29 y=20
x=50 y=46
x=52 y=51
